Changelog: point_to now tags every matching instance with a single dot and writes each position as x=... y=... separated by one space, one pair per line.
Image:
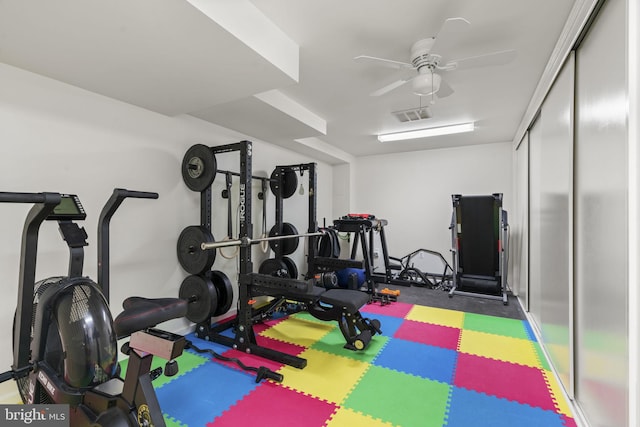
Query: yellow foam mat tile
x=507 y=349
x=327 y=376
x=559 y=355
x=556 y=394
x=298 y=331
x=347 y=418
x=436 y=316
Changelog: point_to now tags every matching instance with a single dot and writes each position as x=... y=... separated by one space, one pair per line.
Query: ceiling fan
x=426 y=64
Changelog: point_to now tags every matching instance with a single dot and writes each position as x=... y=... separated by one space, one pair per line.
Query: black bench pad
x=347 y=298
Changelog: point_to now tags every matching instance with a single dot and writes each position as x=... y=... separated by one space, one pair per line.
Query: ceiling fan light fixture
x=426 y=84
x=427 y=132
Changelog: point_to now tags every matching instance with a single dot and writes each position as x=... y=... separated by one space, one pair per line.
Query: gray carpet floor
x=470 y=304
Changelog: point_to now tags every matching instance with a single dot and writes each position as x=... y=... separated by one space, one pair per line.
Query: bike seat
x=141 y=313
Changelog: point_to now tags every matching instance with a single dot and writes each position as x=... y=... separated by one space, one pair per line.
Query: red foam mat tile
x=518 y=383
x=277 y=406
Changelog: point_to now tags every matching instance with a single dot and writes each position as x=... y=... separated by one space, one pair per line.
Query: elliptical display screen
x=68 y=209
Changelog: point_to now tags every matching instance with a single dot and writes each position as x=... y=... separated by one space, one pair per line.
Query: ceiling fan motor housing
x=420 y=54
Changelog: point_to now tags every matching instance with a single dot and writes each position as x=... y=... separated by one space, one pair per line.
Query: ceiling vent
x=413 y=114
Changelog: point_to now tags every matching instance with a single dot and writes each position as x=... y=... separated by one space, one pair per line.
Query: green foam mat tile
x=400 y=399
x=495 y=325
x=334 y=343
x=544 y=364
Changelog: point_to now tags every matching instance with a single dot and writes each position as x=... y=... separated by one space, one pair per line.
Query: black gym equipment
x=284 y=181
x=335 y=304
x=199 y=167
x=479 y=239
x=190 y=256
x=288 y=245
x=329 y=243
x=364 y=228
x=424 y=268
x=64 y=338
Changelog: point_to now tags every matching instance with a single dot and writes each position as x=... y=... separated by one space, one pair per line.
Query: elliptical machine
x=64 y=337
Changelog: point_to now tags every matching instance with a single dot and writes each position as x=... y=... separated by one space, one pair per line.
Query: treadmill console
x=69 y=209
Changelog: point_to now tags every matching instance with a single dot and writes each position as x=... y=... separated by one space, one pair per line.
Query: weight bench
x=479 y=239
x=341 y=305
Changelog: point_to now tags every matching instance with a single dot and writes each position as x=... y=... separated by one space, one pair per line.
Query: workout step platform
x=142 y=313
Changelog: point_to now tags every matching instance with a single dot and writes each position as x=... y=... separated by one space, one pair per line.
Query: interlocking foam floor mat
x=430 y=367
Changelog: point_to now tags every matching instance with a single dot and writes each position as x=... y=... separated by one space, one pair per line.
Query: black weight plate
x=273 y=267
x=190 y=255
x=225 y=292
x=325 y=244
x=289 y=182
x=336 y=243
x=292 y=268
x=199 y=167
x=288 y=245
x=202 y=297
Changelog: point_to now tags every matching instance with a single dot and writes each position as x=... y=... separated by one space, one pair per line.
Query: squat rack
x=250 y=284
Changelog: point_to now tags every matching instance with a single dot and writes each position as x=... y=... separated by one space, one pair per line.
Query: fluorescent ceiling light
x=423 y=133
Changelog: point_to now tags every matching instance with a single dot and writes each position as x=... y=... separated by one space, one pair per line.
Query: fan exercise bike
x=64 y=337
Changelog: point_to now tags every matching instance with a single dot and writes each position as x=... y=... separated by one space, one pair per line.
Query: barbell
x=248 y=241
x=195 y=244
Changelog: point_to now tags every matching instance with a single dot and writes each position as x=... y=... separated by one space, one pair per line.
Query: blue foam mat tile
x=388 y=324
x=204 y=393
x=205 y=344
x=470 y=408
x=422 y=360
x=529 y=331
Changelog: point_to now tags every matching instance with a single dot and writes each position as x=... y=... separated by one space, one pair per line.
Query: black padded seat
x=141 y=313
x=347 y=298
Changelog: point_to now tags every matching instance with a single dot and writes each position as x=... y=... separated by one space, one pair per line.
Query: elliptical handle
x=135 y=194
x=114 y=202
x=33 y=198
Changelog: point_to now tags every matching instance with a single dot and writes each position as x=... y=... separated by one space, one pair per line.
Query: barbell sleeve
x=221 y=244
x=246 y=241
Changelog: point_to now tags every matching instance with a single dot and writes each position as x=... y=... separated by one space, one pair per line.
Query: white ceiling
x=282 y=71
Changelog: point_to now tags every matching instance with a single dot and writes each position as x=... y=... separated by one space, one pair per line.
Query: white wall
x=55 y=137
x=413 y=190
x=342 y=183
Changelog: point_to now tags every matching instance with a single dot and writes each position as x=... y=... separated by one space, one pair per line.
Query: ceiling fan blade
x=444 y=90
x=490 y=59
x=448 y=34
x=389 y=87
x=398 y=65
